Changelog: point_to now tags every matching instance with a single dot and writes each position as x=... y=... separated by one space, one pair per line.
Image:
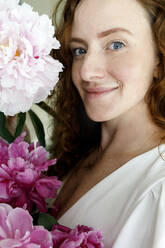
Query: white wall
x=42 y=6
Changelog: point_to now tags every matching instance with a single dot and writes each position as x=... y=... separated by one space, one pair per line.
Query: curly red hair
x=76 y=136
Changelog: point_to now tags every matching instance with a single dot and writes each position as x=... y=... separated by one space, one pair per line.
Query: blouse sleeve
x=145 y=226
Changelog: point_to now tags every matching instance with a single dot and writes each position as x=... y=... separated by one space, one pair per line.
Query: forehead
x=99 y=15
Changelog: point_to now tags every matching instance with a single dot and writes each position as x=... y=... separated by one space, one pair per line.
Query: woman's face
x=113 y=56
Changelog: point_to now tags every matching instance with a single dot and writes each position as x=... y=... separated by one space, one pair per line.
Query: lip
x=94 y=92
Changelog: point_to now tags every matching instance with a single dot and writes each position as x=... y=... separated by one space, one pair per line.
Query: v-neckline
x=117 y=171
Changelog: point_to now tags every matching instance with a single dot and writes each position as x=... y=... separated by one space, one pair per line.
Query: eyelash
x=115 y=42
x=74 y=50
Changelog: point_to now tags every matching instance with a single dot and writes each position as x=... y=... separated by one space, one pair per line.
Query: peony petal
x=4 y=196
x=28 y=177
x=39 y=156
x=24 y=224
x=47 y=187
x=4 y=175
x=16 y=164
x=4 y=211
x=16 y=230
x=23 y=202
x=10 y=243
x=24 y=57
x=18 y=150
x=20 y=138
x=32 y=246
x=14 y=190
x=39 y=201
x=42 y=237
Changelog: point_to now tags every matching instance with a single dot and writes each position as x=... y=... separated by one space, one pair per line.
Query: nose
x=93 y=67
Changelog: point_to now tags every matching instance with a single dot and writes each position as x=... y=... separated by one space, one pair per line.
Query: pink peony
x=27 y=72
x=17 y=230
x=79 y=237
x=22 y=182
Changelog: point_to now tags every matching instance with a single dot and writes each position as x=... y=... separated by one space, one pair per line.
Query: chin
x=99 y=118
x=103 y=116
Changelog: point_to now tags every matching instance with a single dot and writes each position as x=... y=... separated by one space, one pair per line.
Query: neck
x=132 y=133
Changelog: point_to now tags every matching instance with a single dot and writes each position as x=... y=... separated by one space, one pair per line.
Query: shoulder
x=144 y=226
x=152 y=176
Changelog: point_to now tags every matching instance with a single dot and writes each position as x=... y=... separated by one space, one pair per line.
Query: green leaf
x=4 y=132
x=38 y=126
x=46 y=220
x=21 y=118
x=46 y=108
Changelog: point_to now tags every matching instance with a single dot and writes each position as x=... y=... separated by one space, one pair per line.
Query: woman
x=110 y=125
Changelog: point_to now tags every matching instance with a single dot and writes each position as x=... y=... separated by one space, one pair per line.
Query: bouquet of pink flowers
x=24 y=189
x=17 y=230
x=22 y=182
x=27 y=75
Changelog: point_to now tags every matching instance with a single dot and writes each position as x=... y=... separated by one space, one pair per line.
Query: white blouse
x=128 y=205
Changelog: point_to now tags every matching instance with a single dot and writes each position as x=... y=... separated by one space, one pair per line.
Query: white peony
x=27 y=72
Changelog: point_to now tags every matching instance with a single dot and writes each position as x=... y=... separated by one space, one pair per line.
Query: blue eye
x=116 y=45
x=78 y=52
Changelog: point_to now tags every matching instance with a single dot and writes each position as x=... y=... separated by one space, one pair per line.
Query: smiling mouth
x=94 y=92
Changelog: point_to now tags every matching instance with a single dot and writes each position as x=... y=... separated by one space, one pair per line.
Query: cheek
x=75 y=75
x=131 y=69
x=76 y=79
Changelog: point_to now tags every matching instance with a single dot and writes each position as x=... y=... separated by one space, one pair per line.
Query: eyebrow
x=102 y=34
x=113 y=30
